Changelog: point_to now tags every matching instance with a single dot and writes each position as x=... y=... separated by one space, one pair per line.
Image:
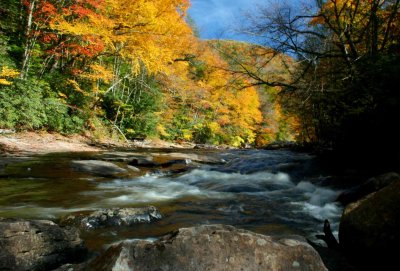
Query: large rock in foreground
x=212 y=247
x=37 y=245
x=112 y=217
x=369 y=230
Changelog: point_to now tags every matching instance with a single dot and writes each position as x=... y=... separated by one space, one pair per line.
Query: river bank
x=24 y=143
x=34 y=142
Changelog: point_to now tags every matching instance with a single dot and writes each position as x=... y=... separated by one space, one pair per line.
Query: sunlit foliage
x=135 y=67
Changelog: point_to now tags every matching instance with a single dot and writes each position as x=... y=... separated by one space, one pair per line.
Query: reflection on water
x=271 y=192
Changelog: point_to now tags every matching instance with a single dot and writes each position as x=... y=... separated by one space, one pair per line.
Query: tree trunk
x=29 y=42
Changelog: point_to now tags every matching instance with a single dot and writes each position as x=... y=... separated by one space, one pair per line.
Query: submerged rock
x=37 y=245
x=369 y=229
x=113 y=217
x=212 y=247
x=96 y=167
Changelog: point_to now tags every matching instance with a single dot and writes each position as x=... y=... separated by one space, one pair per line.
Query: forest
x=130 y=68
x=326 y=75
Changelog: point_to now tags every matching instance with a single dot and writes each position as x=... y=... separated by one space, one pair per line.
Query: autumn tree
x=347 y=54
x=127 y=39
x=206 y=103
x=252 y=66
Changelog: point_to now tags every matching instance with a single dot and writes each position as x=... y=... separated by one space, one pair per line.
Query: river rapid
x=266 y=191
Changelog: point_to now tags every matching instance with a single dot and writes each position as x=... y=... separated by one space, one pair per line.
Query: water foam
x=40 y=212
x=319 y=202
x=222 y=181
x=152 y=188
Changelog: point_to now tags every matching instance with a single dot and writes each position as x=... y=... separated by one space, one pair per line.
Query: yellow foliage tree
x=206 y=96
x=150 y=33
x=6 y=74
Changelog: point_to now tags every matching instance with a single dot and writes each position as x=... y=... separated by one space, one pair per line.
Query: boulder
x=211 y=247
x=100 y=168
x=112 y=217
x=37 y=245
x=369 y=229
x=372 y=185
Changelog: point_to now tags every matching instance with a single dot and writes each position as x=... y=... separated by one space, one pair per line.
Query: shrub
x=21 y=105
x=31 y=104
x=60 y=119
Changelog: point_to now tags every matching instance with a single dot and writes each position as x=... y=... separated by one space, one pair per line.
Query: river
x=266 y=191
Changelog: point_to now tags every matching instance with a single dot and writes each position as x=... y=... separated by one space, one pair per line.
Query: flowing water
x=269 y=192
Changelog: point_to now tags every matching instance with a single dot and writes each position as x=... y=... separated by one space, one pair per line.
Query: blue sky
x=218 y=19
x=221 y=19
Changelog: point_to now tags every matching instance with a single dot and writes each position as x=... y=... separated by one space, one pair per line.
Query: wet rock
x=206 y=147
x=278 y=145
x=101 y=168
x=372 y=185
x=126 y=157
x=212 y=247
x=157 y=159
x=37 y=245
x=194 y=157
x=132 y=168
x=149 y=162
x=143 y=162
x=112 y=217
x=72 y=267
x=369 y=229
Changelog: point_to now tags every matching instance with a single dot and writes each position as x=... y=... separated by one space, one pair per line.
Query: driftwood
x=328 y=237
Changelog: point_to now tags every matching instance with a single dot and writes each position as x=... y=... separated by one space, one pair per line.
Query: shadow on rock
x=38 y=245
